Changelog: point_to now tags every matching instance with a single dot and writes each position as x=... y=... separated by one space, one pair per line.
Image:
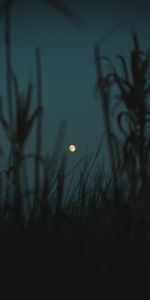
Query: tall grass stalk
x=38 y=130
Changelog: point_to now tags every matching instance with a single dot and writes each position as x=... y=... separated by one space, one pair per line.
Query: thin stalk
x=8 y=61
x=104 y=95
x=38 y=128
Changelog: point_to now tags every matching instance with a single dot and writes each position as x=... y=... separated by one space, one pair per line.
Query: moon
x=72 y=148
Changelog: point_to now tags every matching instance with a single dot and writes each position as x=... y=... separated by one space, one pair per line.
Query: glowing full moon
x=72 y=148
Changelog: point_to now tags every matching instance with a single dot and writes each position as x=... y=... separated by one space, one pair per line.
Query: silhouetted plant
x=19 y=133
x=93 y=238
x=134 y=90
x=134 y=93
x=65 y=10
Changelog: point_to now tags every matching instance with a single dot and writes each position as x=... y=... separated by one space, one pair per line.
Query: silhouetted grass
x=95 y=237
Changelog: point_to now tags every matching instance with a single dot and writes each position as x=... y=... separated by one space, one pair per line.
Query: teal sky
x=68 y=62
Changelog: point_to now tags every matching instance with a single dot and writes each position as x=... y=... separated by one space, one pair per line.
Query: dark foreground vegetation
x=98 y=241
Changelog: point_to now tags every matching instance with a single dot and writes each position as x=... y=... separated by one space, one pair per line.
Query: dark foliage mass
x=94 y=239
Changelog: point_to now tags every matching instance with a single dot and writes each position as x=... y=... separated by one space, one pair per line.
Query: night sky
x=68 y=67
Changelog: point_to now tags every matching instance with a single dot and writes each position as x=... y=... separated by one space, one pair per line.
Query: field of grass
x=98 y=241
